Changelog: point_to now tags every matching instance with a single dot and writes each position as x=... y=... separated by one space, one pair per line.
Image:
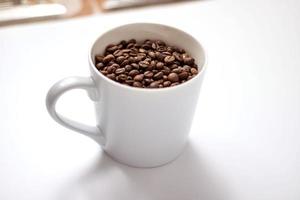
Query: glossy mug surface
x=136 y=126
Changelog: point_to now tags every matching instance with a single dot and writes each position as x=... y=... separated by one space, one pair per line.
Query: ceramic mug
x=139 y=127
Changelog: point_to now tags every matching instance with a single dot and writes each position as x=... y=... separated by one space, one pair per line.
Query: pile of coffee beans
x=147 y=64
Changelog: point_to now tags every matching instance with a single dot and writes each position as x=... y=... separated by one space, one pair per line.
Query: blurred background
x=26 y=11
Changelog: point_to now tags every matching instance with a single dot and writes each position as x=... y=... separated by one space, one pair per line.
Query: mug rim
x=127 y=87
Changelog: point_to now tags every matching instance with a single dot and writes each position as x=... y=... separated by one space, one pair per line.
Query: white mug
x=139 y=127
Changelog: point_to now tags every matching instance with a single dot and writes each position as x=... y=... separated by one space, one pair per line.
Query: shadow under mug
x=136 y=126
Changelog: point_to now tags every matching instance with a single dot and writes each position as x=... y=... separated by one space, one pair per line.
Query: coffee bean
x=118 y=53
x=120 y=59
x=104 y=72
x=128 y=68
x=183 y=75
x=139 y=77
x=148 y=74
x=111 y=69
x=160 y=43
x=111 y=76
x=100 y=66
x=186 y=68
x=177 y=70
x=194 y=71
x=137 y=84
x=132 y=41
x=147 y=64
x=177 y=56
x=167 y=83
x=173 y=77
x=148 y=81
x=108 y=58
x=166 y=70
x=112 y=48
x=153 y=46
x=129 y=82
x=158 y=75
x=174 y=84
x=169 y=59
x=188 y=60
x=135 y=66
x=159 y=65
x=122 y=77
x=99 y=58
x=159 y=56
x=125 y=62
x=133 y=73
x=151 y=54
x=144 y=64
x=154 y=84
x=146 y=46
x=120 y=71
x=130 y=45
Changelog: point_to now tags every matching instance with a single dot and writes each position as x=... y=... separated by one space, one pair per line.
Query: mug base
x=135 y=165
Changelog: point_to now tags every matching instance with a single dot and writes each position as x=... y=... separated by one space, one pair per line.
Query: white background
x=245 y=140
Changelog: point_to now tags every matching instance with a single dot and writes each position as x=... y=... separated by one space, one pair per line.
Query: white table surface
x=245 y=140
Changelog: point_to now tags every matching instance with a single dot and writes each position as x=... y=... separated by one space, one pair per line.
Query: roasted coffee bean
x=111 y=76
x=154 y=46
x=177 y=56
x=122 y=77
x=130 y=45
x=100 y=66
x=194 y=71
x=186 y=68
x=159 y=65
x=183 y=75
x=151 y=54
x=166 y=70
x=108 y=58
x=160 y=43
x=125 y=62
x=111 y=69
x=112 y=48
x=137 y=84
x=131 y=59
x=129 y=82
x=139 y=77
x=159 y=56
x=118 y=53
x=188 y=60
x=99 y=58
x=154 y=84
x=169 y=59
x=135 y=66
x=158 y=75
x=148 y=74
x=148 y=81
x=132 y=41
x=120 y=71
x=176 y=70
x=173 y=77
x=166 y=83
x=133 y=73
x=104 y=72
x=147 y=64
x=144 y=64
x=174 y=84
x=120 y=59
x=128 y=68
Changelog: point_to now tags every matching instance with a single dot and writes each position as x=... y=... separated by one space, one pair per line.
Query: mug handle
x=63 y=86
